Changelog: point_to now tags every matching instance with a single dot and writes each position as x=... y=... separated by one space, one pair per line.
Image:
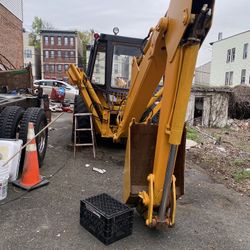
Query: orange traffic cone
x=31 y=178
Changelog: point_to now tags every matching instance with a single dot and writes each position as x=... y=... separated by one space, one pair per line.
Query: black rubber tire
x=83 y=122
x=38 y=117
x=10 y=119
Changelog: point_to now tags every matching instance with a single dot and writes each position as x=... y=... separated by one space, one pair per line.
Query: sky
x=133 y=17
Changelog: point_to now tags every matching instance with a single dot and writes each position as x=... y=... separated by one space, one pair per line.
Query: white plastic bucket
x=7 y=149
x=4 y=176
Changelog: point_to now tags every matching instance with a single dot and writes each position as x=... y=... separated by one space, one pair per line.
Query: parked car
x=47 y=86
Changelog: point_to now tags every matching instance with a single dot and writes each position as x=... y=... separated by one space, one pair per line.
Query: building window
x=52 y=68
x=245 y=50
x=243 y=76
x=228 y=55
x=72 y=54
x=28 y=53
x=59 y=53
x=52 y=54
x=97 y=68
x=116 y=68
x=46 y=68
x=46 y=40
x=97 y=80
x=229 y=78
x=66 y=66
x=59 y=41
x=66 y=54
x=66 y=40
x=226 y=78
x=52 y=40
x=71 y=41
x=59 y=67
x=233 y=55
x=46 y=54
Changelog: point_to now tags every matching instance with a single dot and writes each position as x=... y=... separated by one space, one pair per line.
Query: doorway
x=198 y=111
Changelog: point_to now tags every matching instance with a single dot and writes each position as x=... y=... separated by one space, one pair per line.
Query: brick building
x=59 y=49
x=11 y=30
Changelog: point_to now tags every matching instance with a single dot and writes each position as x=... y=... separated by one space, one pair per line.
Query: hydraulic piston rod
x=167 y=182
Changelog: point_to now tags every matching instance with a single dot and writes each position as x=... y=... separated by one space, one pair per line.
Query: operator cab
x=110 y=62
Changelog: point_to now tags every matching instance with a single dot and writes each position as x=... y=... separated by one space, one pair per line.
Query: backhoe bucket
x=140 y=159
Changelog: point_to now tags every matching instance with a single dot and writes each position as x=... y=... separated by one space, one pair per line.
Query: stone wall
x=215 y=107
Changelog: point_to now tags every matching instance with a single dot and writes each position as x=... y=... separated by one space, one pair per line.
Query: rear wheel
x=10 y=122
x=38 y=118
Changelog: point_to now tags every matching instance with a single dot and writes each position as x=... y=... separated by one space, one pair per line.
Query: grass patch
x=241 y=175
x=240 y=162
x=213 y=160
x=192 y=134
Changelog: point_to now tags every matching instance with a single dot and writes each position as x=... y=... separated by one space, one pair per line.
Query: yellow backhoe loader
x=155 y=153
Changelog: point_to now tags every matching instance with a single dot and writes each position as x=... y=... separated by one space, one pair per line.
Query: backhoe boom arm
x=171 y=53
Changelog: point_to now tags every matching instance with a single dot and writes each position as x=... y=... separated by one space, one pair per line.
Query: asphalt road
x=209 y=216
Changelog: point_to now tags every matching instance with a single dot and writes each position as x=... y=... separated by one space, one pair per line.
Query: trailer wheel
x=82 y=122
x=10 y=119
x=38 y=117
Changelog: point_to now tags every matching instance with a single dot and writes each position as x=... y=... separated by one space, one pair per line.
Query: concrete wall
x=220 y=66
x=11 y=38
x=219 y=110
x=202 y=74
x=190 y=110
x=215 y=108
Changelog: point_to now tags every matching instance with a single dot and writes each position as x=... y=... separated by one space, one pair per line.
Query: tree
x=37 y=25
x=86 y=38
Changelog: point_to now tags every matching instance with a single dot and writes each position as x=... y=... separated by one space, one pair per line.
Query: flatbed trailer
x=17 y=110
x=18 y=100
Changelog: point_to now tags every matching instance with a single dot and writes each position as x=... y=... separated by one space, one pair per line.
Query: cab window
x=98 y=76
x=122 y=65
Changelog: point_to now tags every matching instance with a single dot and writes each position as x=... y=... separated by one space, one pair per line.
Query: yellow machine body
x=155 y=154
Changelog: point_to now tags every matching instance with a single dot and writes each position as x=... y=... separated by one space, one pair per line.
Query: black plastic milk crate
x=106 y=218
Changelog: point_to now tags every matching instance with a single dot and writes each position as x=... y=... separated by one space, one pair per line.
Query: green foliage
x=241 y=175
x=86 y=38
x=240 y=162
x=192 y=134
x=37 y=25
